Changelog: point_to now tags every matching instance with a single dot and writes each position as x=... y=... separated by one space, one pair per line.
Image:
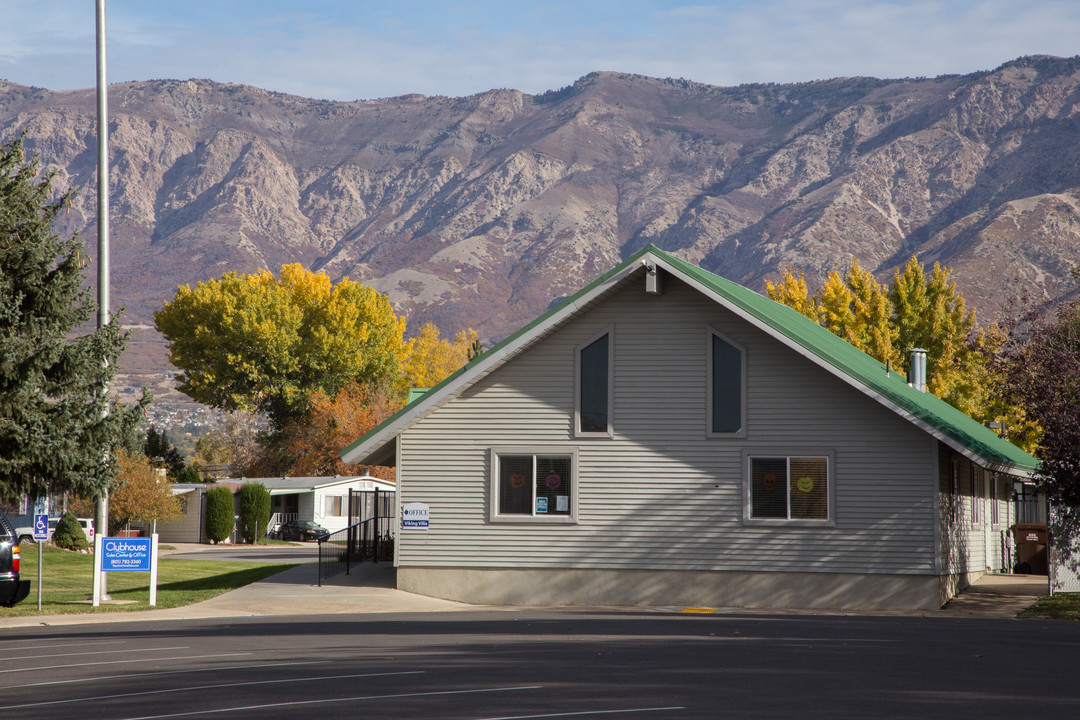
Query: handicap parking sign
x=41 y=527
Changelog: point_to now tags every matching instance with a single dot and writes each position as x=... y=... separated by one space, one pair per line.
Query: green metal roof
x=847 y=362
x=415 y=394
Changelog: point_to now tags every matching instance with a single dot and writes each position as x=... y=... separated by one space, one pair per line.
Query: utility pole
x=101 y=505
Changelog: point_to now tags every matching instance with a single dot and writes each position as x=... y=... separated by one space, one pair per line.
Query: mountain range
x=482 y=211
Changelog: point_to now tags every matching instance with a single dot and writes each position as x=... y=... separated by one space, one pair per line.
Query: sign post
x=41 y=534
x=122 y=554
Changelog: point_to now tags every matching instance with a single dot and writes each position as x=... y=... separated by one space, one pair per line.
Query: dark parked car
x=302 y=530
x=12 y=589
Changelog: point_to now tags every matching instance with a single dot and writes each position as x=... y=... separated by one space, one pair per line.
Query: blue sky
x=345 y=50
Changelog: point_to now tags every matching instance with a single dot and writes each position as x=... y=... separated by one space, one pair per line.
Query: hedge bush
x=220 y=519
x=69 y=533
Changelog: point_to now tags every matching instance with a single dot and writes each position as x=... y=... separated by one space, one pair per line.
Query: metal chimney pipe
x=917 y=369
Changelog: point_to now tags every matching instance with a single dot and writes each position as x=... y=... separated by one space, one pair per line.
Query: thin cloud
x=343 y=50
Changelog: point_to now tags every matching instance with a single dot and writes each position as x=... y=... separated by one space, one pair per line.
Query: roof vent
x=917 y=370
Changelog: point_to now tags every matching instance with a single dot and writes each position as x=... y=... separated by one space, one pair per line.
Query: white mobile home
x=668 y=437
x=323 y=500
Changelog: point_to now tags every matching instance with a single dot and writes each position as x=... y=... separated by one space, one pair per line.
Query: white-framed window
x=726 y=387
x=534 y=484
x=333 y=506
x=995 y=502
x=957 y=503
x=789 y=488
x=594 y=385
x=976 y=495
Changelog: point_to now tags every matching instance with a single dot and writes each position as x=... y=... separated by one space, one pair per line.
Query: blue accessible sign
x=41 y=527
x=125 y=554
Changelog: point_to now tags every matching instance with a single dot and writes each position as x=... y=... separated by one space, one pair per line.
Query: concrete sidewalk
x=369 y=588
x=995 y=595
x=296 y=591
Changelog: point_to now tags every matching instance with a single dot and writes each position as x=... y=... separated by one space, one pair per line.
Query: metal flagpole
x=101 y=506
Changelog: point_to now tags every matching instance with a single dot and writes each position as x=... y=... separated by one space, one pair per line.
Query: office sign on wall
x=416 y=516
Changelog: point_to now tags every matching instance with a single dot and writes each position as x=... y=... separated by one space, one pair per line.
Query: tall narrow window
x=976 y=495
x=594 y=386
x=995 y=512
x=725 y=387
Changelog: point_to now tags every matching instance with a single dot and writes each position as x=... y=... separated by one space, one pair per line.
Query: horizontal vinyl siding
x=660 y=493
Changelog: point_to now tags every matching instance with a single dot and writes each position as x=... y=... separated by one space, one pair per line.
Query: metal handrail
x=339 y=550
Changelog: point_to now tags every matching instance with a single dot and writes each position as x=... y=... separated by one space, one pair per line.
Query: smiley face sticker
x=805 y=484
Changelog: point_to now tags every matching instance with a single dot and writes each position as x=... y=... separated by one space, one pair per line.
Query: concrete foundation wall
x=536 y=587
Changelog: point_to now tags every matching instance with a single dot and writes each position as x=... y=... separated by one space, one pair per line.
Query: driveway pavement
x=369 y=588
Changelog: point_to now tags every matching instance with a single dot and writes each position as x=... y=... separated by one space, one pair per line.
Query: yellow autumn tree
x=929 y=312
x=260 y=343
x=793 y=291
x=429 y=358
x=142 y=494
x=916 y=310
x=854 y=306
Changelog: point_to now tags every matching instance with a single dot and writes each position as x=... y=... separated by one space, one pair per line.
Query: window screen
x=515 y=484
x=809 y=486
x=789 y=488
x=768 y=488
x=538 y=485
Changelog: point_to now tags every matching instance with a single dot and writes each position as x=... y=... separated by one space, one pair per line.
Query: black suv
x=12 y=589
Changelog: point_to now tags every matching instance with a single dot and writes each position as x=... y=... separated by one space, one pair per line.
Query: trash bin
x=1030 y=539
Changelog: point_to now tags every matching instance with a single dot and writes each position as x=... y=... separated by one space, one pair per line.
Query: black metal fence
x=370 y=538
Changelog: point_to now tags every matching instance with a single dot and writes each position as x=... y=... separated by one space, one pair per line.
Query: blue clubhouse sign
x=120 y=554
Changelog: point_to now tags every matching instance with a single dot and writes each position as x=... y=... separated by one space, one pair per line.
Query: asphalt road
x=544 y=664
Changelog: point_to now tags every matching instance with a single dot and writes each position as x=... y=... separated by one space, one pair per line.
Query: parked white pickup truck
x=25 y=532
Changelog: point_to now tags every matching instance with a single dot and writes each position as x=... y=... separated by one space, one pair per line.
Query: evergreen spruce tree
x=55 y=434
x=158 y=447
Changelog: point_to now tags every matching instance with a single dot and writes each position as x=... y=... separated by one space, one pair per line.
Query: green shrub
x=69 y=533
x=189 y=475
x=220 y=519
x=254 y=511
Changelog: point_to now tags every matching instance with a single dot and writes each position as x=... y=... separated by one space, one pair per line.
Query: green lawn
x=1063 y=606
x=69 y=582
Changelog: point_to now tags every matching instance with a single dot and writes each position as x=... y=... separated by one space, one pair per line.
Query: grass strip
x=1062 y=606
x=69 y=583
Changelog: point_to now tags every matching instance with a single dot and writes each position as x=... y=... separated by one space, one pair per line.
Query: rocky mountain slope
x=480 y=211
